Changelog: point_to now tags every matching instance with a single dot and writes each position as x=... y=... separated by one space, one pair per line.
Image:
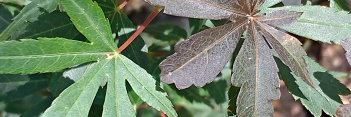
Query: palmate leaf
x=53 y=54
x=45 y=55
x=89 y=19
x=257 y=75
x=28 y=14
x=199 y=59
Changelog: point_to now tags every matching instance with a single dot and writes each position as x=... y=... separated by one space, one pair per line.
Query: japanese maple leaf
x=198 y=60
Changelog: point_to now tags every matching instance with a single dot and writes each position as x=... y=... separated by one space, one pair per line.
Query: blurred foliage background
x=30 y=95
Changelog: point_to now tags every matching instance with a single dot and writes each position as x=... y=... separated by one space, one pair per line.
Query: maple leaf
x=198 y=60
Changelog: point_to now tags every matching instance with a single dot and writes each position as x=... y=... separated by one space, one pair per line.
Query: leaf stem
x=140 y=29
x=122 y=5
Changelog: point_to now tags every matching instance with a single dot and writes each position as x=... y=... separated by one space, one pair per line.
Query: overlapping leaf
x=329 y=25
x=324 y=97
x=289 y=50
x=34 y=84
x=11 y=82
x=28 y=14
x=5 y=17
x=54 y=24
x=339 y=4
x=89 y=19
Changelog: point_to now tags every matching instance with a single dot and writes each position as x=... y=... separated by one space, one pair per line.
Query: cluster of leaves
x=90 y=32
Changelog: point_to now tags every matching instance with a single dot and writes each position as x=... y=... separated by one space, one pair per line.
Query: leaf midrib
x=84 y=89
x=213 y=44
x=50 y=30
x=94 y=25
x=54 y=55
x=304 y=74
x=3 y=19
x=277 y=18
x=323 y=23
x=257 y=66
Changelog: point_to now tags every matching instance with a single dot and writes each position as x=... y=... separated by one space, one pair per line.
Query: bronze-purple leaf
x=255 y=71
x=207 y=9
x=280 y=17
x=199 y=59
x=344 y=110
x=289 y=51
x=346 y=43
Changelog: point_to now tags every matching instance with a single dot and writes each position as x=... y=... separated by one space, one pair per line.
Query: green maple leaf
x=28 y=56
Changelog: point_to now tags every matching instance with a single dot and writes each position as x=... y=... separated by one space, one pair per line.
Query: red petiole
x=140 y=29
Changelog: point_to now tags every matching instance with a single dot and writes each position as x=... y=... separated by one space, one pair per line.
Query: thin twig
x=140 y=29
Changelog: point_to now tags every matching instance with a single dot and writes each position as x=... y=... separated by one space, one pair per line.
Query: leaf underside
x=288 y=49
x=256 y=73
x=346 y=44
x=344 y=110
x=198 y=60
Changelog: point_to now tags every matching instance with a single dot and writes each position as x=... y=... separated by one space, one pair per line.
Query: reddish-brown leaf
x=200 y=58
